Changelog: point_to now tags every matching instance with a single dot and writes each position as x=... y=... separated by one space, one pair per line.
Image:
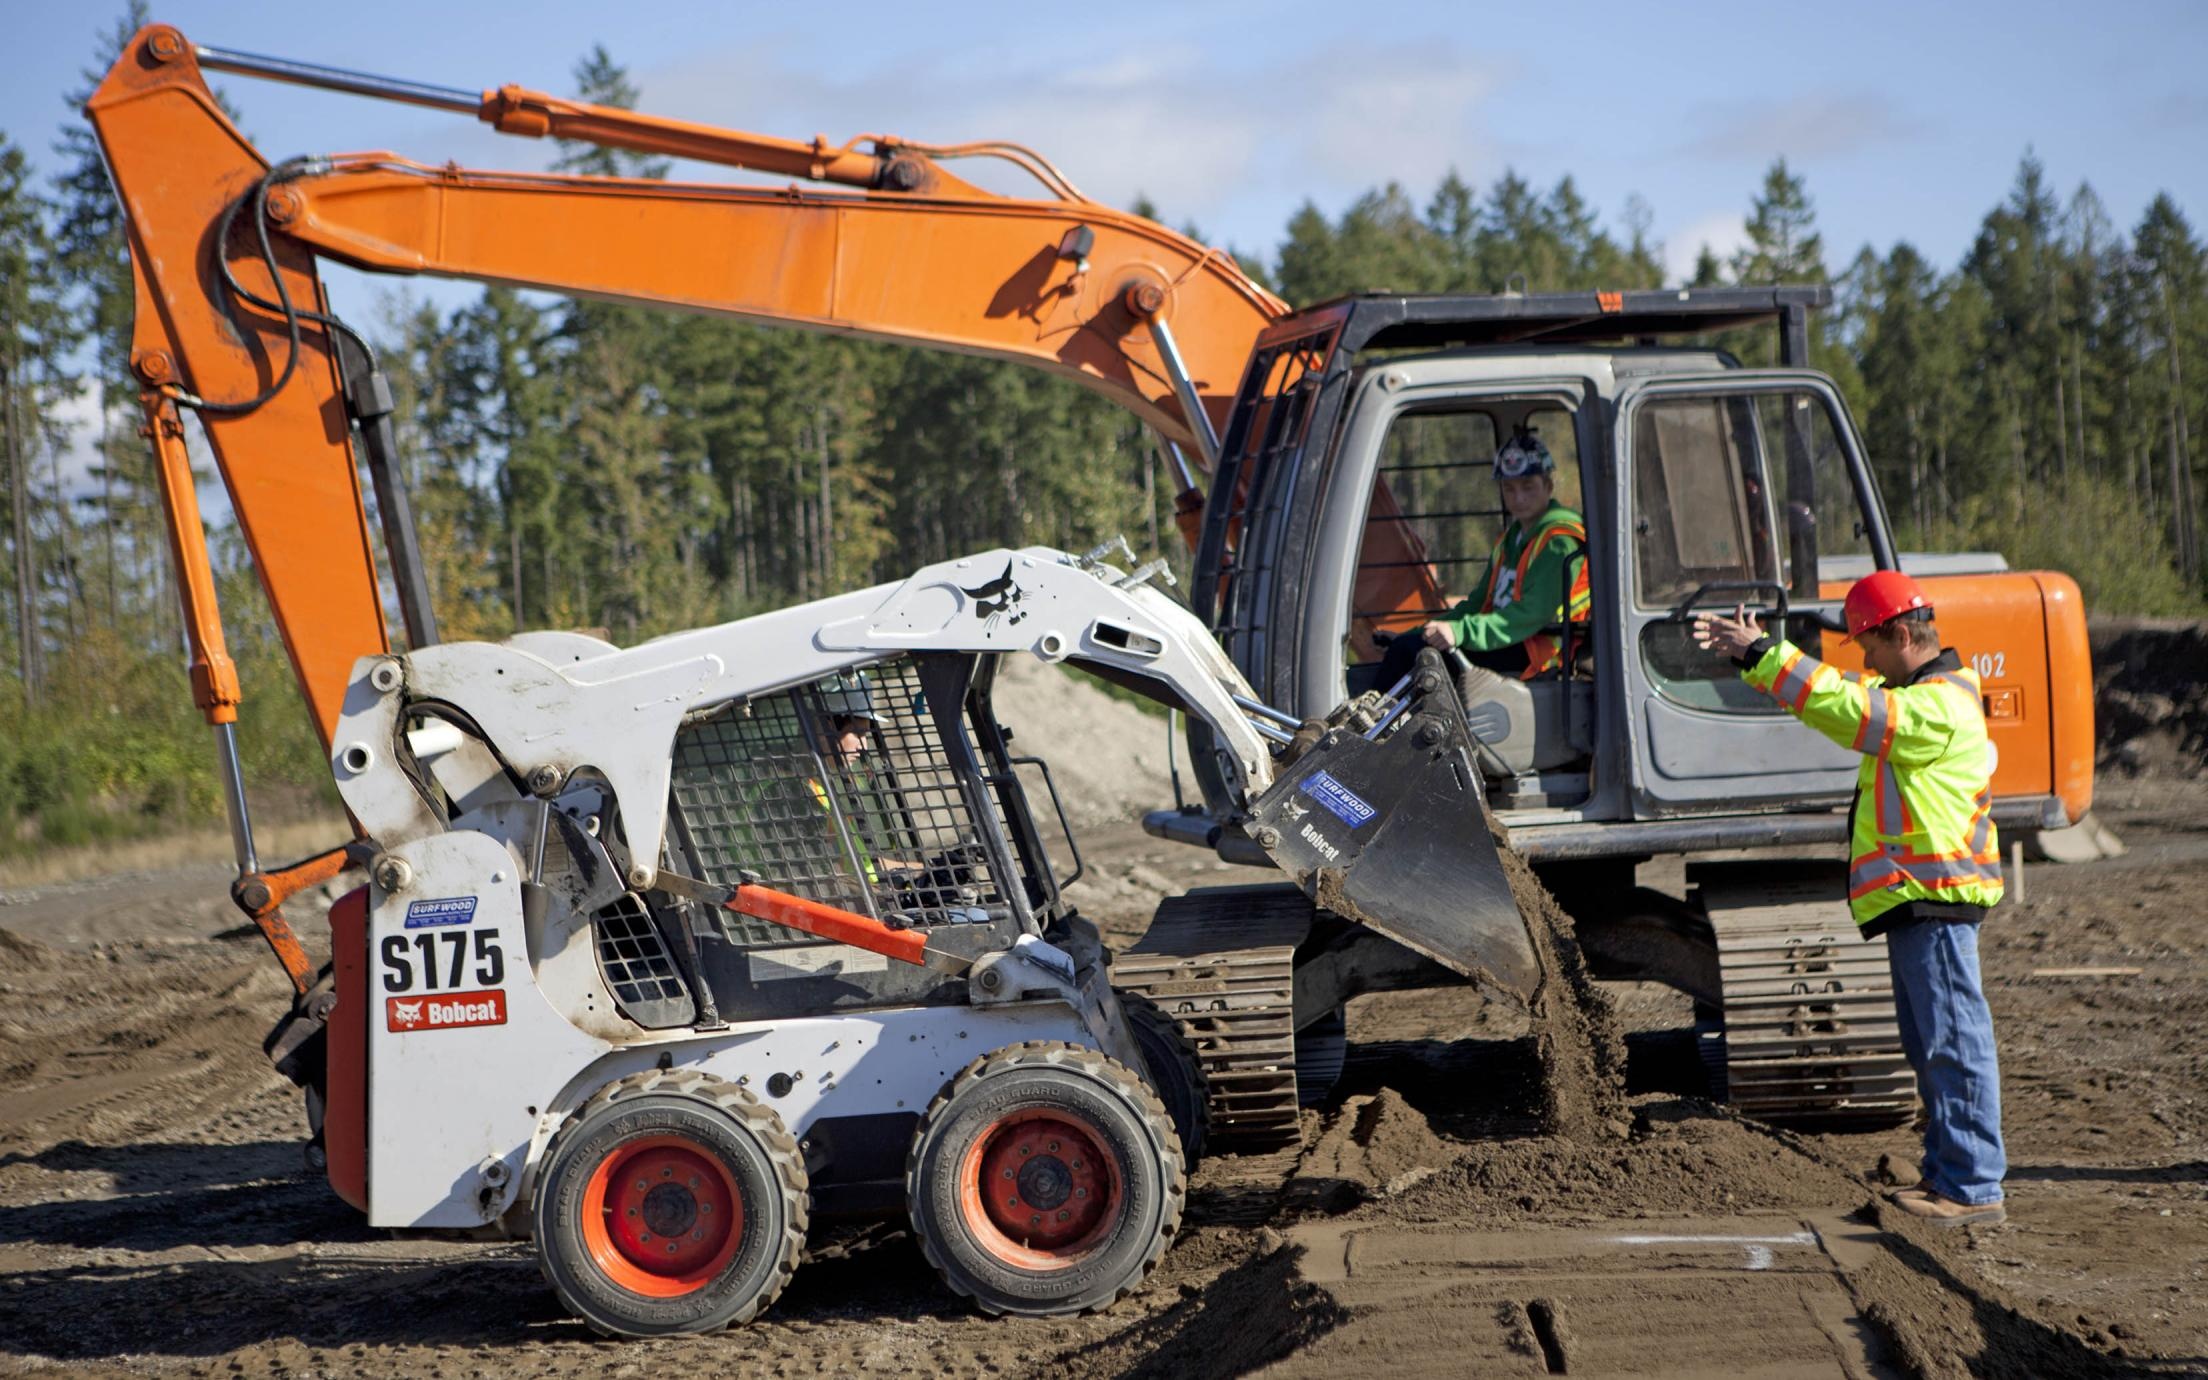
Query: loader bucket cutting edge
x=1393 y=835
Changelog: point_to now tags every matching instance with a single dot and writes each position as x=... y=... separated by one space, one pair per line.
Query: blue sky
x=1906 y=119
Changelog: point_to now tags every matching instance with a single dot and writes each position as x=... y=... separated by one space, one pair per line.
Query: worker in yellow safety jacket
x=1924 y=860
x=1536 y=578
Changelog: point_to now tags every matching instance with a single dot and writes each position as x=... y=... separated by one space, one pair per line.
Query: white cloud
x=1811 y=125
x=1232 y=147
x=1722 y=231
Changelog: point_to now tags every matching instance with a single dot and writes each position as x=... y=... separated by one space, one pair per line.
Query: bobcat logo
x=997 y=598
x=407 y=1014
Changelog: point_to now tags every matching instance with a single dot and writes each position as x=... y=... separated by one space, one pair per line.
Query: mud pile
x=2150 y=696
x=1254 y=1311
x=1575 y=1026
x=1684 y=1157
x=1377 y=1143
x=1109 y=759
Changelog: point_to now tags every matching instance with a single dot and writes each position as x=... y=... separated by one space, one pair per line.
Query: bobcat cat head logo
x=998 y=598
x=406 y=1013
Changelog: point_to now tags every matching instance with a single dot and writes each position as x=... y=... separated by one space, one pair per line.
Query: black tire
x=1073 y=1120
x=1175 y=1074
x=699 y=1143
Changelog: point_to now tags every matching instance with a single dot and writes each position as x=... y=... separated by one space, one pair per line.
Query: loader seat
x=1527 y=722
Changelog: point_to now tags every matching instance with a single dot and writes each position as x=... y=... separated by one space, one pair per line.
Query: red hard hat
x=1879 y=596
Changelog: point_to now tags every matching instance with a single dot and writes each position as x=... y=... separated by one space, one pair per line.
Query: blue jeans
x=1947 y=1032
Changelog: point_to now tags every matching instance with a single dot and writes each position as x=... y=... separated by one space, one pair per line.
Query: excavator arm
x=921 y=256
x=233 y=322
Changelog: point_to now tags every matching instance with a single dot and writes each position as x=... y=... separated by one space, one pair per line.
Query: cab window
x=1734 y=495
x=1435 y=511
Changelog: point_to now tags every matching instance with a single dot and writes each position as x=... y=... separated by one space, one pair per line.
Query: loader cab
x=928 y=824
x=1354 y=495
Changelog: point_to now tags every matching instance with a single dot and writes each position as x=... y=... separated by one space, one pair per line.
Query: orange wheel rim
x=662 y=1216
x=1039 y=1190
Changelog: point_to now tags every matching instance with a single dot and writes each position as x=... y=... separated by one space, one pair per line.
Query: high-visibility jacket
x=1923 y=819
x=858 y=841
x=1524 y=590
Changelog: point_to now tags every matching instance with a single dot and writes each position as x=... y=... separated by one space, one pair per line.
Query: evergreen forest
x=587 y=465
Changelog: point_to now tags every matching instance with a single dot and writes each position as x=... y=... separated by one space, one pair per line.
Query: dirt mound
x=1684 y=1157
x=1377 y=1143
x=1576 y=1031
x=1254 y=1312
x=16 y=952
x=1942 y=1322
x=2150 y=696
x=1109 y=759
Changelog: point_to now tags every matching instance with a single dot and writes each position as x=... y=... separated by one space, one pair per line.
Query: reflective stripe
x=1951 y=872
x=1793 y=681
x=1875 y=872
x=1876 y=729
x=1893 y=821
x=1869 y=873
x=1981 y=832
x=1542 y=654
x=858 y=845
x=1579 y=598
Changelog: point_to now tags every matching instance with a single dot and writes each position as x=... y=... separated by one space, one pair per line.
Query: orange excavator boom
x=233 y=322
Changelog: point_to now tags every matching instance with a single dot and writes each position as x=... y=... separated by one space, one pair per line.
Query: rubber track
x=1811 y=1035
x=1221 y=962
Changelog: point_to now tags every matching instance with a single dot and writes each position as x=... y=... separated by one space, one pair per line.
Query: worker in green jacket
x=1924 y=860
x=1536 y=577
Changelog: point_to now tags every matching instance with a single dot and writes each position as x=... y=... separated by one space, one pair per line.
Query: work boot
x=1943 y=1211
x=1919 y=1189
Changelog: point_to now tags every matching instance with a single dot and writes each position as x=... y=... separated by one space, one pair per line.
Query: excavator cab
x=1427 y=542
x=1353 y=498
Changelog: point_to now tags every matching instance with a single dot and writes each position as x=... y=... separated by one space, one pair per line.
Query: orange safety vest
x=1543 y=652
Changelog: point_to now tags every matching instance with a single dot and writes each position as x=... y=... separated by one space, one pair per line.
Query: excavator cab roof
x=1393 y=321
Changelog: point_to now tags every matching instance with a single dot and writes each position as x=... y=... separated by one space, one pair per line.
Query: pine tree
x=89 y=242
x=35 y=341
x=1783 y=243
x=2169 y=274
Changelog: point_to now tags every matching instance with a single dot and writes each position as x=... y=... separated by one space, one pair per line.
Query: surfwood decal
x=449 y=910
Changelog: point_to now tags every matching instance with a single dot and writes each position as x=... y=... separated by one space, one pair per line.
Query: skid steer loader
x=667 y=952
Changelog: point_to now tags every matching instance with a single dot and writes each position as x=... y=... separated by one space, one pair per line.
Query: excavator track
x=1810 y=1033
x=1221 y=962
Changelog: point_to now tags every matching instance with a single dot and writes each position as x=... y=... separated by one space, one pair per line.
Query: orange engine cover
x=2023 y=632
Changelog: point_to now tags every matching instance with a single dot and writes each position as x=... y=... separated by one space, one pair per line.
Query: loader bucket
x=1393 y=834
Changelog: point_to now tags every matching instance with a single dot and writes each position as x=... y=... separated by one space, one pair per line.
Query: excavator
x=1331 y=472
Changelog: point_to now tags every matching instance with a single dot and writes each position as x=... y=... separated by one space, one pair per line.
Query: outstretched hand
x=1726 y=636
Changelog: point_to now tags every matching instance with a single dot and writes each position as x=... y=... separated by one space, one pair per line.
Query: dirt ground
x=155 y=1217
